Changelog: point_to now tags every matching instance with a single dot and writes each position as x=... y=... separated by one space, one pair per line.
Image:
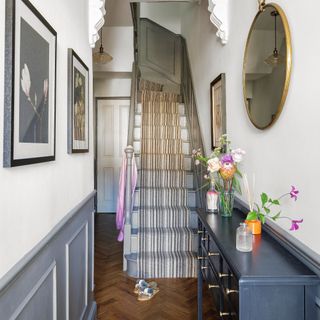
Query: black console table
x=268 y=283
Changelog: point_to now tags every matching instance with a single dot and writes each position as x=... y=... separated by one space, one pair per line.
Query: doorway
x=112 y=132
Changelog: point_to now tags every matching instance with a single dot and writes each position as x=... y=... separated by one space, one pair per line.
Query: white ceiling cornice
x=220 y=18
x=96 y=19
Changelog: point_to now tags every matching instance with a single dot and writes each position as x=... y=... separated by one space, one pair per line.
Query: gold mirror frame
x=288 y=63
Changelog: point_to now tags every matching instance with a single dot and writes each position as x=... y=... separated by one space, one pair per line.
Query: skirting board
x=55 y=279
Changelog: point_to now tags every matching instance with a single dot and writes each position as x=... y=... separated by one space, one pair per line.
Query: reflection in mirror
x=267 y=65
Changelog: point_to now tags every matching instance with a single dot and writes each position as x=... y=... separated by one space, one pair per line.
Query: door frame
x=95 y=143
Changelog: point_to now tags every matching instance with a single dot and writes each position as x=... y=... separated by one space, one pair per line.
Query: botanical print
x=79 y=98
x=34 y=84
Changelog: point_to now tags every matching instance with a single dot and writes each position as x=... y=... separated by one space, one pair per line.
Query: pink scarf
x=120 y=216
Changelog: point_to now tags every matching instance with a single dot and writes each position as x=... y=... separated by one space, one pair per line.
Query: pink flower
x=294 y=193
x=237 y=155
x=294 y=224
x=213 y=165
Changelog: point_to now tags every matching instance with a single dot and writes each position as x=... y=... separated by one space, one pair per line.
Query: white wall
x=114 y=78
x=166 y=14
x=112 y=87
x=118 y=42
x=288 y=153
x=35 y=197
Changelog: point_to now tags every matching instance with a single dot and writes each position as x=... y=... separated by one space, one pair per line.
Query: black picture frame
x=78 y=111
x=218 y=109
x=30 y=86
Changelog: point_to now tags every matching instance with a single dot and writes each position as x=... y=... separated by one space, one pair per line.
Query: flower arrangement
x=222 y=166
x=264 y=210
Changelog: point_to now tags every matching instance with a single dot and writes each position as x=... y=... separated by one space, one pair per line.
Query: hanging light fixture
x=275 y=58
x=101 y=57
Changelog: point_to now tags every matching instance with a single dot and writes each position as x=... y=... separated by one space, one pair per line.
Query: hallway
x=114 y=295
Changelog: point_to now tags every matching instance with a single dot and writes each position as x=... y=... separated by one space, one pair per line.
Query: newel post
x=128 y=206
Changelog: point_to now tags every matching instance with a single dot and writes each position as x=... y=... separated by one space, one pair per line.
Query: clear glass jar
x=244 y=238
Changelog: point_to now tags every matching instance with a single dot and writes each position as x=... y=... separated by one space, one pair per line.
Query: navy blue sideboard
x=267 y=283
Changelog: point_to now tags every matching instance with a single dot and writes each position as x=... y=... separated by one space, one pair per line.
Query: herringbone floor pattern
x=176 y=300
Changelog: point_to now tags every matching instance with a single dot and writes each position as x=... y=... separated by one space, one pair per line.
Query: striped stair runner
x=165 y=241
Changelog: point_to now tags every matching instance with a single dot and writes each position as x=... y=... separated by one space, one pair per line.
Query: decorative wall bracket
x=96 y=19
x=220 y=18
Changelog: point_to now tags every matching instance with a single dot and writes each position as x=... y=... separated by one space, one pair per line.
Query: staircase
x=163 y=237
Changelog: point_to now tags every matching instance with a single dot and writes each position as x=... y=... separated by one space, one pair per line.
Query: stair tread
x=166 y=188
x=192 y=209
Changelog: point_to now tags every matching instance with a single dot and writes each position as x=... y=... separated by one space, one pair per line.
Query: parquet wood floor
x=177 y=298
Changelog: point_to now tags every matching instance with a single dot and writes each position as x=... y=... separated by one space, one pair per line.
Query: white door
x=112 y=121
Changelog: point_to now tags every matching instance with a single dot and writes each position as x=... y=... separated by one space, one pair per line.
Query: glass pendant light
x=275 y=58
x=101 y=57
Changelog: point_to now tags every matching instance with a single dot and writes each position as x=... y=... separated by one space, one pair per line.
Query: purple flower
x=227 y=158
x=294 y=224
x=294 y=193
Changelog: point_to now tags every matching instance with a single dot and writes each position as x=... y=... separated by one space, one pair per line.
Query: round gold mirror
x=267 y=66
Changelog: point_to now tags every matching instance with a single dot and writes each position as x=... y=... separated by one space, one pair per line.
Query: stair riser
x=189 y=246
x=165 y=198
x=193 y=222
x=163 y=133
x=186 y=164
x=167 y=146
x=181 y=108
x=182 y=121
x=155 y=181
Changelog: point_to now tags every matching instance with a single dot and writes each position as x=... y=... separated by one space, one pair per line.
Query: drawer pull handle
x=227 y=314
x=202 y=258
x=212 y=254
x=204 y=238
x=221 y=275
x=228 y=291
x=204 y=267
x=200 y=231
x=210 y=286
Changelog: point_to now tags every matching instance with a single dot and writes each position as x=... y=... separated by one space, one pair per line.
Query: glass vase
x=226 y=201
x=244 y=238
x=212 y=199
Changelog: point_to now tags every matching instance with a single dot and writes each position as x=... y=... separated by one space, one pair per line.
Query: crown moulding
x=96 y=20
x=220 y=18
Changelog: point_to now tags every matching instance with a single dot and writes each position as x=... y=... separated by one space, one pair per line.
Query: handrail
x=195 y=135
x=133 y=103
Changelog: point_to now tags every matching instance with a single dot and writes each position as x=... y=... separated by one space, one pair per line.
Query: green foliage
x=252 y=215
x=264 y=211
x=236 y=185
x=264 y=198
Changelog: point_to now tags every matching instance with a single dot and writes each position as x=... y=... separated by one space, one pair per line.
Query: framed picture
x=218 y=109
x=30 y=86
x=78 y=109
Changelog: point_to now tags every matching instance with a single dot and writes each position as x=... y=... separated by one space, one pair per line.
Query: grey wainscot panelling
x=54 y=281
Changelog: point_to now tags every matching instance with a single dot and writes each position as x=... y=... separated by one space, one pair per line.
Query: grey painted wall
x=55 y=280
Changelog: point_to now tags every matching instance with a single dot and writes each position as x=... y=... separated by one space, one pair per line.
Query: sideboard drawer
x=265 y=284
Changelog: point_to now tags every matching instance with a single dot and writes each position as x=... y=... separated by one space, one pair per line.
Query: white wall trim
x=96 y=19
x=220 y=18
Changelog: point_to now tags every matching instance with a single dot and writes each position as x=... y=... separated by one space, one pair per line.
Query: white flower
x=25 y=80
x=196 y=162
x=237 y=155
x=45 y=89
x=213 y=164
